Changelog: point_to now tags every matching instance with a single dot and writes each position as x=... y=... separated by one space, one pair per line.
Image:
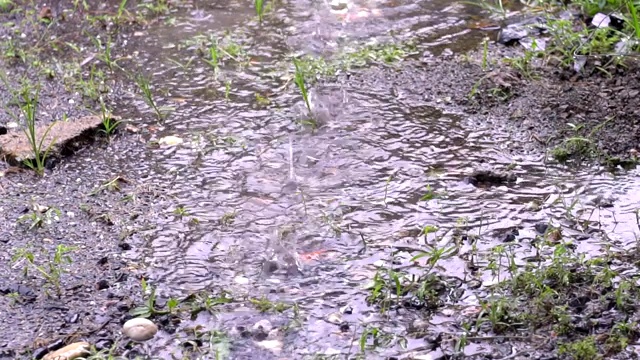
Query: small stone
x=541 y=228
x=601 y=20
x=511 y=235
x=261 y=329
x=102 y=284
x=511 y=34
x=72 y=318
x=103 y=344
x=139 y=329
x=275 y=333
x=334 y=318
x=170 y=141
x=602 y=201
x=275 y=346
x=347 y=309
x=241 y=280
x=533 y=206
x=69 y=352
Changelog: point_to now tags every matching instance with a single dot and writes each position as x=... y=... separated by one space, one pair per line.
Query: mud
x=196 y=218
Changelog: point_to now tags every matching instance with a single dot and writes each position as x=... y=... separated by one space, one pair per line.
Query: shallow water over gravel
x=234 y=163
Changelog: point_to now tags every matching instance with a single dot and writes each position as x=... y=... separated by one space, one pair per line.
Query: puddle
x=360 y=177
x=235 y=160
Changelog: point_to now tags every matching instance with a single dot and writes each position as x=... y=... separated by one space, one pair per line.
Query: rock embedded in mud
x=261 y=329
x=490 y=177
x=170 y=141
x=512 y=33
x=275 y=346
x=102 y=285
x=334 y=318
x=69 y=352
x=140 y=329
x=25 y=292
x=15 y=146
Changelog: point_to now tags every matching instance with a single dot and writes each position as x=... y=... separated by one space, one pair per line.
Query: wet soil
x=555 y=105
x=387 y=177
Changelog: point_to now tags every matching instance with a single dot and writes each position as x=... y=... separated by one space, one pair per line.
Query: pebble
x=261 y=329
x=601 y=20
x=69 y=352
x=334 y=318
x=275 y=346
x=140 y=329
x=170 y=141
x=241 y=280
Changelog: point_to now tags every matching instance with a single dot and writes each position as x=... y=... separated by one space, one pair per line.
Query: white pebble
x=139 y=329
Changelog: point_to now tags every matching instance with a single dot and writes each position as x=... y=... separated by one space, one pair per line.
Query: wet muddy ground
x=419 y=215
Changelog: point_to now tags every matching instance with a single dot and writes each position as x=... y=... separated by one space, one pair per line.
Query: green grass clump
x=29 y=109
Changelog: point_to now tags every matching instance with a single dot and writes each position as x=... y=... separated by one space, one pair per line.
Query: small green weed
x=109 y=123
x=299 y=80
x=584 y=349
x=492 y=6
x=156 y=7
x=40 y=216
x=29 y=110
x=214 y=56
x=52 y=269
x=148 y=309
x=181 y=211
x=104 y=52
x=265 y=305
x=6 y=5
x=259 y=6
x=145 y=86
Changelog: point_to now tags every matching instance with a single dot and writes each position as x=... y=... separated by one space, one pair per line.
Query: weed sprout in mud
x=109 y=124
x=53 y=268
x=40 y=149
x=104 y=52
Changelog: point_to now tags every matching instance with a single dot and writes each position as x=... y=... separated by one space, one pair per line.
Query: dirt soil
x=603 y=107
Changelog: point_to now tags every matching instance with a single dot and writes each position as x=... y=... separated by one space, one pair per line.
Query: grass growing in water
x=259 y=6
x=214 y=56
x=145 y=85
x=299 y=80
